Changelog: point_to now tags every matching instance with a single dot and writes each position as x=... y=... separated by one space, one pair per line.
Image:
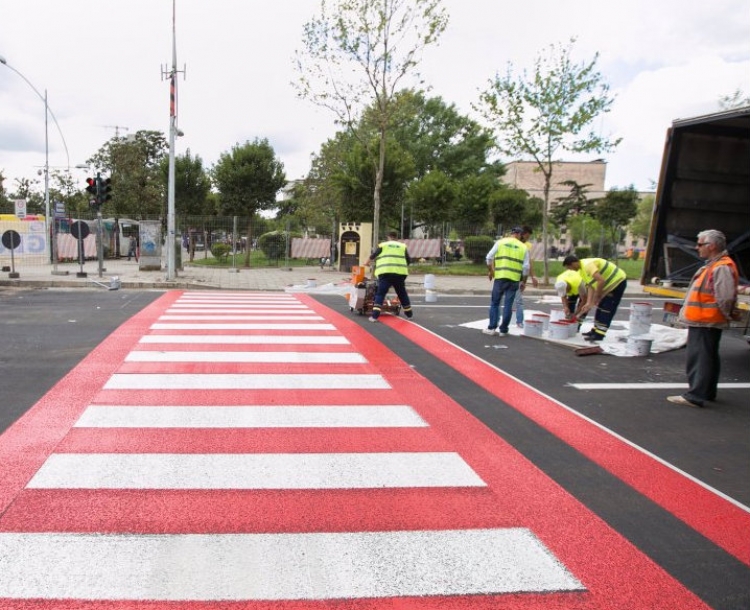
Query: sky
x=101 y=65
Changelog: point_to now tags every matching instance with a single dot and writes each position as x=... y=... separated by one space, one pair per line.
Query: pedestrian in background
x=392 y=262
x=133 y=248
x=708 y=308
x=605 y=284
x=525 y=235
x=507 y=268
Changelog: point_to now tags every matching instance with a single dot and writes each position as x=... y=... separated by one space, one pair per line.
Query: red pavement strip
x=722 y=522
x=614 y=573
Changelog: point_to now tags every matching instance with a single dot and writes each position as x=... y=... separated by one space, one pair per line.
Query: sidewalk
x=295 y=279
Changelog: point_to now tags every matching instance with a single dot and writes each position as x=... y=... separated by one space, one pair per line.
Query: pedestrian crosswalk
x=258 y=395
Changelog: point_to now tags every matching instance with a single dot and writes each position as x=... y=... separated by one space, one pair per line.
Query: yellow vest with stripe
x=392 y=259
x=573 y=279
x=611 y=273
x=700 y=305
x=509 y=259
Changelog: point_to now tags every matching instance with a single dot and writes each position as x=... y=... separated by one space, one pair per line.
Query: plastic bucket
x=533 y=328
x=312 y=283
x=430 y=296
x=558 y=330
x=543 y=318
x=572 y=328
x=640 y=318
x=429 y=281
x=556 y=314
x=640 y=345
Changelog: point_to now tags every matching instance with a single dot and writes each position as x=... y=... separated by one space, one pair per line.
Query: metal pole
x=171 y=271
x=46 y=177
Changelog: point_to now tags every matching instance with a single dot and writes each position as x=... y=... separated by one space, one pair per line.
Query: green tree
x=640 y=226
x=615 y=211
x=575 y=203
x=248 y=179
x=552 y=111
x=31 y=191
x=6 y=207
x=357 y=53
x=134 y=165
x=736 y=99
x=192 y=185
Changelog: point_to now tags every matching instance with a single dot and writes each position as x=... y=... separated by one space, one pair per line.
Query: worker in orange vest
x=708 y=308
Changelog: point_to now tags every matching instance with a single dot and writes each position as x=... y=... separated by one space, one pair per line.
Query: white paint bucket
x=312 y=283
x=533 y=328
x=430 y=296
x=558 y=330
x=543 y=318
x=556 y=314
x=640 y=345
x=429 y=282
x=640 y=318
x=572 y=328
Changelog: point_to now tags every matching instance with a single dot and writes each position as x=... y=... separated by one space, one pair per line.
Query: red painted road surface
x=247 y=450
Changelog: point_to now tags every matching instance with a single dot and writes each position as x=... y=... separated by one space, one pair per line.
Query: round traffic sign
x=11 y=239
x=80 y=230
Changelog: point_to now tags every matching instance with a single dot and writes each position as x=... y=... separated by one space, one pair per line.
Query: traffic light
x=91 y=188
x=105 y=190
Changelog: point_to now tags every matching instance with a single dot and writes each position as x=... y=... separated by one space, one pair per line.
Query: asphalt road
x=47 y=332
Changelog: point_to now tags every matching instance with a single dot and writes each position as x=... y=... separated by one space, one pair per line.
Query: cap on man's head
x=561 y=287
x=517 y=230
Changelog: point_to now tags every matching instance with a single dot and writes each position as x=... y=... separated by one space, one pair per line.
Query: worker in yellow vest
x=392 y=262
x=572 y=291
x=708 y=307
x=605 y=284
x=507 y=269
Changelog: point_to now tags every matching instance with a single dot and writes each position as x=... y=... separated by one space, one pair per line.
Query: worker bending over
x=605 y=284
x=392 y=262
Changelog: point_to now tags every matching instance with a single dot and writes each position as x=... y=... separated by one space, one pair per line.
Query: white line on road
x=255 y=357
x=293 y=326
x=245 y=382
x=301 y=566
x=302 y=416
x=247 y=339
x=650 y=386
x=247 y=316
x=253 y=471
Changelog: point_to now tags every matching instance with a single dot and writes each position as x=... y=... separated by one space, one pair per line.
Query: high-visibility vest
x=700 y=304
x=611 y=273
x=573 y=279
x=392 y=259
x=509 y=259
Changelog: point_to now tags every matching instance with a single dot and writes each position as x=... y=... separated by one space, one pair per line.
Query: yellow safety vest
x=509 y=259
x=392 y=259
x=611 y=273
x=573 y=279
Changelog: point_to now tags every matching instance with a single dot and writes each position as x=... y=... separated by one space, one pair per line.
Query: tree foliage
x=248 y=179
x=640 y=226
x=615 y=211
x=134 y=165
x=356 y=54
x=551 y=111
x=192 y=185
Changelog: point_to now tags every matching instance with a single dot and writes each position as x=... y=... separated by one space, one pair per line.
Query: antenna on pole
x=117 y=129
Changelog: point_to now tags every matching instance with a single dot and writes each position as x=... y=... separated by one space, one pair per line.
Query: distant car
x=200 y=245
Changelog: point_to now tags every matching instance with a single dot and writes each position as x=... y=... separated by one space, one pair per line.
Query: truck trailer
x=704 y=183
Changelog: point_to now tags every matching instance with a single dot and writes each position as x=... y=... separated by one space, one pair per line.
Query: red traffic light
x=91 y=188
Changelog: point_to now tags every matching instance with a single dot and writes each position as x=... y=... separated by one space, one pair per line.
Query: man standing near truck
x=707 y=309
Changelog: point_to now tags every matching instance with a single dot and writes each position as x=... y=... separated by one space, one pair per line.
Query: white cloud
x=100 y=64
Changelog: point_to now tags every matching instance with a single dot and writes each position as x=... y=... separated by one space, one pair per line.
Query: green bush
x=272 y=244
x=221 y=251
x=476 y=247
x=582 y=251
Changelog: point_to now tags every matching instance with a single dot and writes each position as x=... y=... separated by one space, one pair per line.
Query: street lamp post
x=47 y=113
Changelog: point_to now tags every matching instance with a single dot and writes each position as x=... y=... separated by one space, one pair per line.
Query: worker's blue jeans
x=385 y=281
x=502 y=288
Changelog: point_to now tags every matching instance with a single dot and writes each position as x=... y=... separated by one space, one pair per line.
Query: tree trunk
x=249 y=242
x=378 y=189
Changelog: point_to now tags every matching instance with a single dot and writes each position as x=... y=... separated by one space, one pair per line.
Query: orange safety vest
x=700 y=304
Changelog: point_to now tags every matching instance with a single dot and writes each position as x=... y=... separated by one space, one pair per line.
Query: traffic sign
x=21 y=208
